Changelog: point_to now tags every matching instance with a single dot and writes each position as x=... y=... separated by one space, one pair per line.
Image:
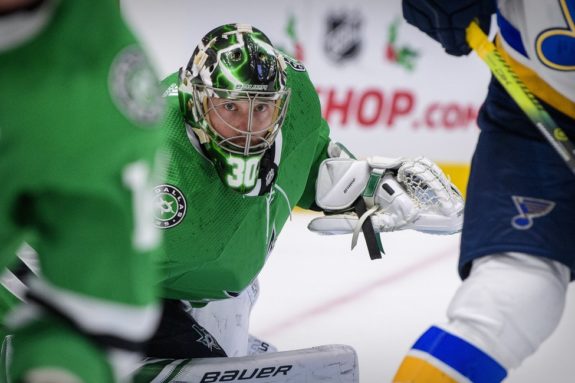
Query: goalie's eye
x=230 y=106
x=261 y=107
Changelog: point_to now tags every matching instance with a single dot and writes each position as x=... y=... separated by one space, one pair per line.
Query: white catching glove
x=399 y=194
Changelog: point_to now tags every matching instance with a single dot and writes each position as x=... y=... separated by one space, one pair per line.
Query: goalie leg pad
x=180 y=336
x=329 y=363
x=228 y=321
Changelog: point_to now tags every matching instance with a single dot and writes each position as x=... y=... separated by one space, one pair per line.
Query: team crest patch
x=529 y=208
x=135 y=88
x=206 y=338
x=169 y=206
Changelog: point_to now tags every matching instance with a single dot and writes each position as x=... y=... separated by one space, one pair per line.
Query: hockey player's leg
x=330 y=363
x=228 y=321
x=439 y=356
x=500 y=315
x=511 y=304
x=180 y=336
x=257 y=346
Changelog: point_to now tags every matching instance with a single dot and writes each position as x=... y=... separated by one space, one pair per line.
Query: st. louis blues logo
x=529 y=208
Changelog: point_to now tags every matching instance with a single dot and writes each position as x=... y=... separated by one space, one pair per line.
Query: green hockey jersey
x=216 y=239
x=80 y=114
x=79 y=124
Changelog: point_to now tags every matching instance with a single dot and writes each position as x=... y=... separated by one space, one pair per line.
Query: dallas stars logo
x=134 y=87
x=206 y=338
x=169 y=206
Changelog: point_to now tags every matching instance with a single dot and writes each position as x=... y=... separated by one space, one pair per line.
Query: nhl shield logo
x=529 y=208
x=169 y=206
x=343 y=38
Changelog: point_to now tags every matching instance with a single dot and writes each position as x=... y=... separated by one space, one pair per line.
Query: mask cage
x=251 y=136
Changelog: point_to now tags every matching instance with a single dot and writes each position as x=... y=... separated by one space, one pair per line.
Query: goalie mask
x=233 y=94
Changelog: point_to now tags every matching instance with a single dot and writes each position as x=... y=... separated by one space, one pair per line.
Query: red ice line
x=356 y=294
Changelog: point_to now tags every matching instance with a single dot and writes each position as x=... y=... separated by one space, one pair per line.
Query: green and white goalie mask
x=233 y=95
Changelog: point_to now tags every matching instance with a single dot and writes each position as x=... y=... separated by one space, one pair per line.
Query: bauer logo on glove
x=399 y=194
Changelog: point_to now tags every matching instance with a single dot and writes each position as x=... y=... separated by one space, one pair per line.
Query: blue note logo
x=529 y=208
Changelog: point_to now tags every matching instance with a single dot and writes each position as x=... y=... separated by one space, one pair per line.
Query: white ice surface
x=315 y=290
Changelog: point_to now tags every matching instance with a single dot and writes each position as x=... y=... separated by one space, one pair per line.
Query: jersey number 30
x=243 y=172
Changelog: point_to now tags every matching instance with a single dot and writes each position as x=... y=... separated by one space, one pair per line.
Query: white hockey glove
x=398 y=193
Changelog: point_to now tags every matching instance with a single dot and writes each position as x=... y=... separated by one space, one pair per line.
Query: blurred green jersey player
x=79 y=117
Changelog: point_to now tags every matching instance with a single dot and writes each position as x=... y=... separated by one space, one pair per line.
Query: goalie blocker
x=399 y=194
x=322 y=364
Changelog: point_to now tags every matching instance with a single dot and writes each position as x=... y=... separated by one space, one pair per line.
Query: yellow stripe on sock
x=416 y=370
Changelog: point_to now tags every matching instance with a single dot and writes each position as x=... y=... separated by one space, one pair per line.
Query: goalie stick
x=487 y=51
